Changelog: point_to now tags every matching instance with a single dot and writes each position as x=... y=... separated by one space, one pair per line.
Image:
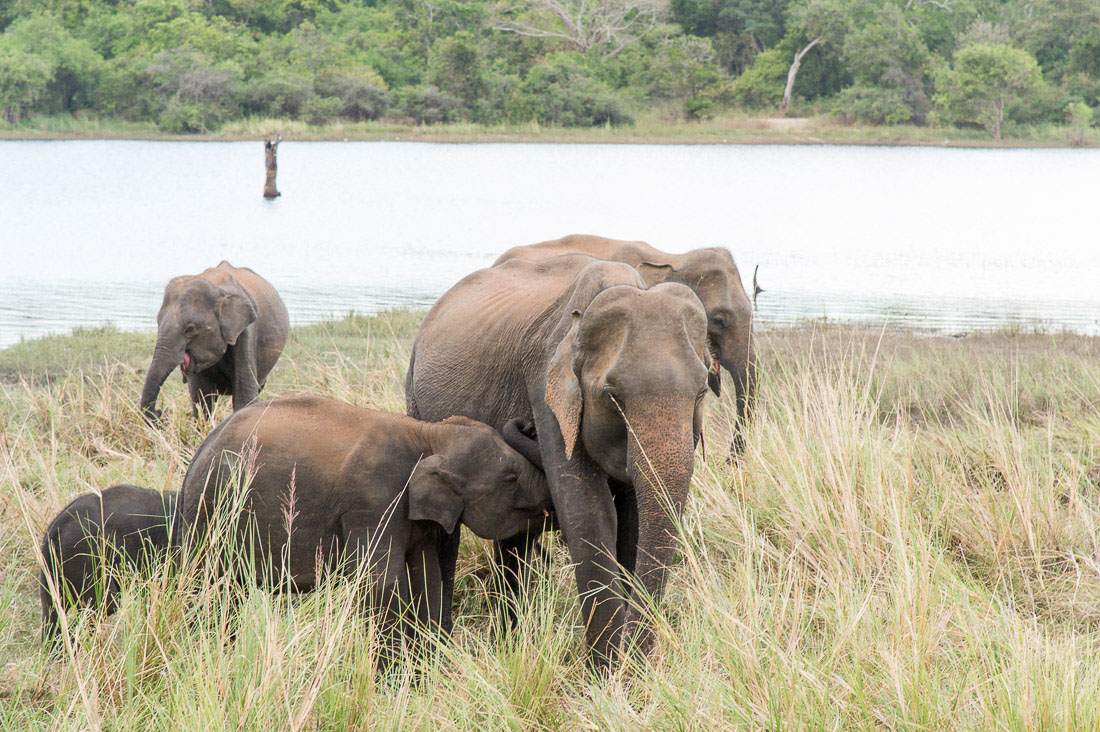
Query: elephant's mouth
x=185 y=365
x=714 y=376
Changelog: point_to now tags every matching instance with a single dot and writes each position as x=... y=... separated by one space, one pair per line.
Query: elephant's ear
x=563 y=388
x=432 y=495
x=235 y=313
x=654 y=272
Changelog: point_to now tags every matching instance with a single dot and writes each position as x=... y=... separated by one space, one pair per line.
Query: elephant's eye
x=190 y=329
x=720 y=320
x=511 y=478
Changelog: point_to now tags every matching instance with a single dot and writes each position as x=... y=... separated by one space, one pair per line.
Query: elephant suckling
x=613 y=375
x=224 y=328
x=371 y=492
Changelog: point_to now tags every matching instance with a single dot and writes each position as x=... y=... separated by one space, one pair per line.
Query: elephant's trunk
x=164 y=360
x=738 y=357
x=518 y=433
x=660 y=454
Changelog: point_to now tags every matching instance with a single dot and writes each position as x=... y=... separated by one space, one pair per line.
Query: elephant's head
x=476 y=478
x=714 y=277
x=197 y=322
x=626 y=384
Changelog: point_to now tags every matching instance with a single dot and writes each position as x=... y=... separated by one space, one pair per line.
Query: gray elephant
x=613 y=375
x=369 y=490
x=225 y=328
x=710 y=273
x=91 y=540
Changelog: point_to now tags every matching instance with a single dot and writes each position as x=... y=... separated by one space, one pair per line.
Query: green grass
x=909 y=543
x=729 y=128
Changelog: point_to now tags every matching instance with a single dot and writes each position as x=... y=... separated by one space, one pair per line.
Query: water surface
x=90 y=231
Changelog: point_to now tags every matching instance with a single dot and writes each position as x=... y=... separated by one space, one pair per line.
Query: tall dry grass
x=909 y=542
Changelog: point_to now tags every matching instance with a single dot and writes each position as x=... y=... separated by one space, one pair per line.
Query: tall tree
x=608 y=26
x=985 y=82
x=818 y=22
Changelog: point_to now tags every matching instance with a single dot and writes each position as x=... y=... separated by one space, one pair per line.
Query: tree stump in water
x=270 y=191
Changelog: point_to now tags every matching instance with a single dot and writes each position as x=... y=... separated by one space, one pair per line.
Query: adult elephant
x=710 y=273
x=613 y=375
x=225 y=328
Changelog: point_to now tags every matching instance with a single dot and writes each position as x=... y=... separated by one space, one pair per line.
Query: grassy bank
x=729 y=129
x=910 y=542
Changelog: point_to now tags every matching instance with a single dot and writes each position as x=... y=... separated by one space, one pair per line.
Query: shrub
x=188 y=84
x=319 y=110
x=457 y=66
x=279 y=94
x=761 y=86
x=426 y=105
x=181 y=118
x=362 y=92
x=987 y=85
x=560 y=92
x=1079 y=117
x=23 y=80
x=872 y=104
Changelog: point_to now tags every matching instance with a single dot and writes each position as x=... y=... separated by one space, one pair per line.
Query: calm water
x=91 y=231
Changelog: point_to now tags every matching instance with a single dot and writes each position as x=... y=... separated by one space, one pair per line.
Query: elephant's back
x=284 y=437
x=599 y=247
x=470 y=349
x=269 y=306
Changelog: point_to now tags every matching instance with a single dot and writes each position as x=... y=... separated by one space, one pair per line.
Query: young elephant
x=94 y=537
x=225 y=328
x=327 y=489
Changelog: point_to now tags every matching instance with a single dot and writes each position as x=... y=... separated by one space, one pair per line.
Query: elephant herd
x=564 y=385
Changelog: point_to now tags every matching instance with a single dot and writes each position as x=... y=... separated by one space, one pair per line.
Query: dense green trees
x=986 y=83
x=190 y=65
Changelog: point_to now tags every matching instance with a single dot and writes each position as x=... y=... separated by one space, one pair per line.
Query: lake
x=933 y=238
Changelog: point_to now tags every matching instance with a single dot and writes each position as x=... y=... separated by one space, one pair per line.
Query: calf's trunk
x=164 y=360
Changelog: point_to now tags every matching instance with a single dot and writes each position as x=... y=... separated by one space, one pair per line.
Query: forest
x=192 y=65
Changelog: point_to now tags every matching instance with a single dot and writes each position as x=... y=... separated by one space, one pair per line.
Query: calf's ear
x=654 y=272
x=432 y=495
x=235 y=313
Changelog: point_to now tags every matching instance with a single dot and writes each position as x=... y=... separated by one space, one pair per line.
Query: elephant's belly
x=295 y=563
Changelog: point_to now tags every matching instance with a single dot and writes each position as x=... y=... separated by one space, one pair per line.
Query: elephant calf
x=338 y=487
x=225 y=328
x=94 y=537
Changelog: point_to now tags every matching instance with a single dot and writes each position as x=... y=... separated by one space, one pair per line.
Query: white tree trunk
x=794 y=72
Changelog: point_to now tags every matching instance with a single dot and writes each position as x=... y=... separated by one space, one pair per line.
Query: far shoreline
x=729 y=130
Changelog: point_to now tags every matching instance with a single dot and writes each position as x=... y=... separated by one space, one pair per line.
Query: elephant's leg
x=589 y=527
x=626 y=512
x=512 y=559
x=377 y=559
x=204 y=394
x=586 y=515
x=425 y=587
x=446 y=547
